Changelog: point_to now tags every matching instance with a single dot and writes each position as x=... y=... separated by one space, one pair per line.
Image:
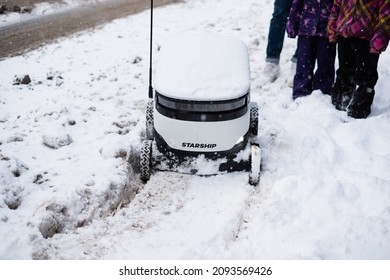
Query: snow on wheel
x=149 y=120
x=146 y=160
x=254 y=173
x=254 y=118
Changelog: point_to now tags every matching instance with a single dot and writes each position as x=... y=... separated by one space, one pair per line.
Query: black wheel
x=146 y=160
x=254 y=119
x=254 y=172
x=149 y=120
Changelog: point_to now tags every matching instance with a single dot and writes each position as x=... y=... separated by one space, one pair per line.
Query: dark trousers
x=312 y=50
x=277 y=30
x=357 y=66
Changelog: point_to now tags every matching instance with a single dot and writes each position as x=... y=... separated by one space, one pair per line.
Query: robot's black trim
x=204 y=111
x=173 y=158
x=164 y=148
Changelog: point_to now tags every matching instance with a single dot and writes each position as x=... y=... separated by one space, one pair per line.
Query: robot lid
x=202 y=67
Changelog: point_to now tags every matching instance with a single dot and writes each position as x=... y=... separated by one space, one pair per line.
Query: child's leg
x=324 y=75
x=303 y=79
x=366 y=73
x=365 y=76
x=344 y=86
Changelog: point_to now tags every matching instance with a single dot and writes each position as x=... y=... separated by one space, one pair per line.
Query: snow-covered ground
x=68 y=192
x=43 y=8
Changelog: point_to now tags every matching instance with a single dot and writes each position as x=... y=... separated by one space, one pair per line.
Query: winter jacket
x=309 y=17
x=364 y=19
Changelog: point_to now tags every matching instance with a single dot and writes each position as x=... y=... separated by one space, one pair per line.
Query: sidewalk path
x=31 y=34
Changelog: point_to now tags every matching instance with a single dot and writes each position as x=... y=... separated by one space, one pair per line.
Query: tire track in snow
x=172 y=216
x=159 y=198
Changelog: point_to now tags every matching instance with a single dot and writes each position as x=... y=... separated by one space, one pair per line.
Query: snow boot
x=272 y=71
x=341 y=94
x=360 y=105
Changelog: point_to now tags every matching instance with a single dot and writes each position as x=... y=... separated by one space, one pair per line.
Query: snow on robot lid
x=202 y=67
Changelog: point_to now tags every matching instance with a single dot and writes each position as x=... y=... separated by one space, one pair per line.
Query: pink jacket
x=365 y=19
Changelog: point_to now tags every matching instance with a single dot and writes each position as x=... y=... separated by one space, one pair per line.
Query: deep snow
x=325 y=185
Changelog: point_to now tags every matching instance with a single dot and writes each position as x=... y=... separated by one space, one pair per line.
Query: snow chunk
x=57 y=141
x=22 y=80
x=203 y=67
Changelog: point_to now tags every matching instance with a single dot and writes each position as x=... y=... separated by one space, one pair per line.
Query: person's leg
x=344 y=85
x=366 y=73
x=277 y=30
x=366 y=77
x=324 y=75
x=303 y=79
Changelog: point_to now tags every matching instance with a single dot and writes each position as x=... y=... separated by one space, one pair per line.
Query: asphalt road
x=27 y=35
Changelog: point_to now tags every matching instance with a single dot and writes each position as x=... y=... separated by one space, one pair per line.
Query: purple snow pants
x=312 y=50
